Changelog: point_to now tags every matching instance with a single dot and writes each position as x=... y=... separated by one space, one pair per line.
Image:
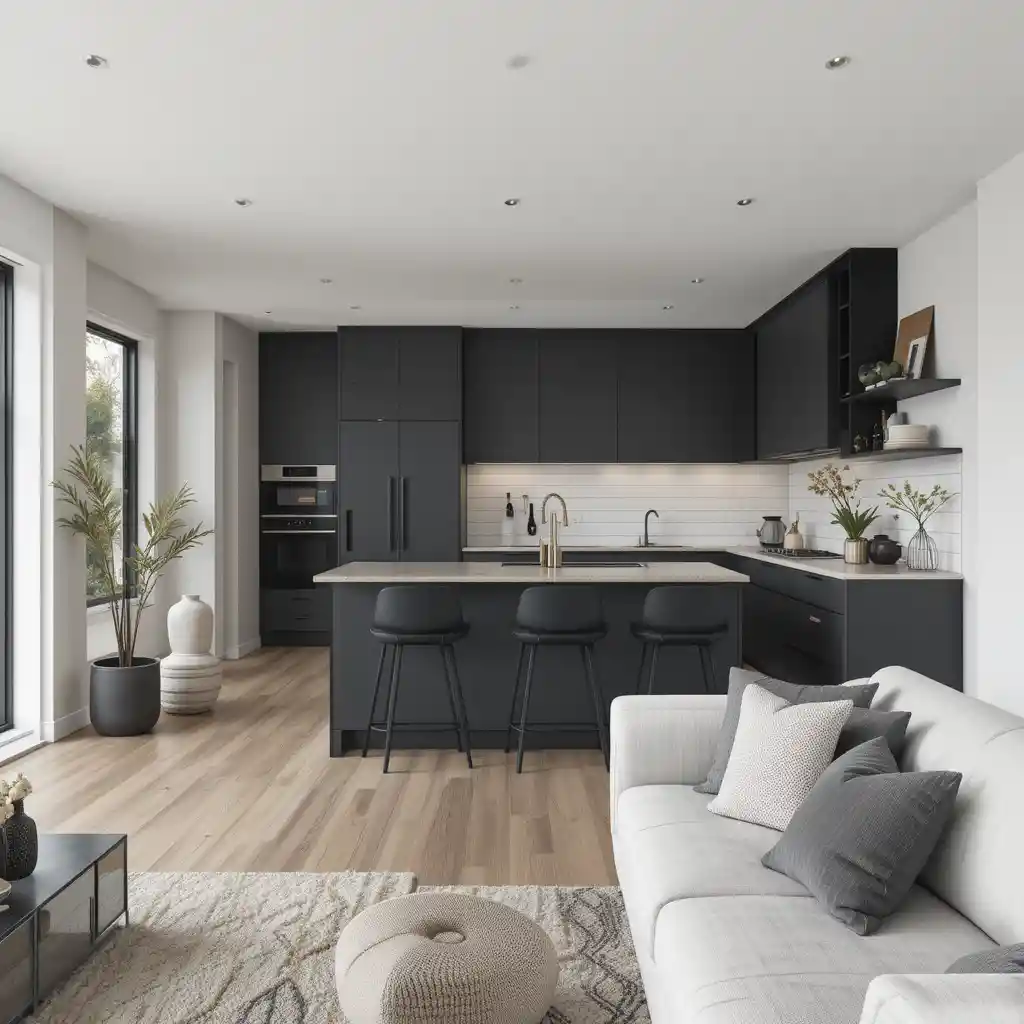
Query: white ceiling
x=379 y=138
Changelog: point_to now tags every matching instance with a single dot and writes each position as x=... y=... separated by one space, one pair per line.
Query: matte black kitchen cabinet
x=399 y=494
x=797 y=407
x=685 y=396
x=400 y=373
x=298 y=411
x=501 y=404
x=578 y=396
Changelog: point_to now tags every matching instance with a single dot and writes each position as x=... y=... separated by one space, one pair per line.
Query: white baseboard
x=61 y=727
x=247 y=647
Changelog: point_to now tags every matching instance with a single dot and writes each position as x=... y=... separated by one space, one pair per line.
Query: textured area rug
x=259 y=949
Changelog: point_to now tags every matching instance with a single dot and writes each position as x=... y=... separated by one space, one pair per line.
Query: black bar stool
x=557 y=616
x=666 y=612
x=418 y=616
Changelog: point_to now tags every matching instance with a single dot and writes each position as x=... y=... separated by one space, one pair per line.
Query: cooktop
x=777 y=549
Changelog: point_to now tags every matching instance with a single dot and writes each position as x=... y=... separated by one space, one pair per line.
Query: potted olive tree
x=124 y=689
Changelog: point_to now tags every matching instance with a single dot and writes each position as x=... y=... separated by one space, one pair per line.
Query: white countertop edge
x=632 y=549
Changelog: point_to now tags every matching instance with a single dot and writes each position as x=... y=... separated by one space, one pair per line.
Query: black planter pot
x=19 y=845
x=884 y=551
x=124 y=701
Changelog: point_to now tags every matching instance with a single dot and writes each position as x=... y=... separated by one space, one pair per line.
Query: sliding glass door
x=7 y=393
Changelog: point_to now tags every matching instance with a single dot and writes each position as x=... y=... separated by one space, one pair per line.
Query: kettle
x=773 y=533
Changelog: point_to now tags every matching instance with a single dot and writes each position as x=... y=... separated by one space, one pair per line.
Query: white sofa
x=723 y=940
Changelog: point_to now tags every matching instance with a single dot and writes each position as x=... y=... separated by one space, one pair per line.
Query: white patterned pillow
x=779 y=752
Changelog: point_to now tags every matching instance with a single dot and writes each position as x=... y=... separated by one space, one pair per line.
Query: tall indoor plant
x=922 y=552
x=829 y=482
x=124 y=688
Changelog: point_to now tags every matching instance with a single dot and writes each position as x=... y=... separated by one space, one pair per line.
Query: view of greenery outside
x=104 y=432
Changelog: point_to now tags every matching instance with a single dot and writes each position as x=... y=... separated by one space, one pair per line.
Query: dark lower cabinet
x=367 y=492
x=294 y=611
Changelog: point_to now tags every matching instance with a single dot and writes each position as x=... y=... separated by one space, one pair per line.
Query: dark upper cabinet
x=400 y=373
x=298 y=412
x=797 y=408
x=501 y=409
x=685 y=396
x=429 y=524
x=578 y=396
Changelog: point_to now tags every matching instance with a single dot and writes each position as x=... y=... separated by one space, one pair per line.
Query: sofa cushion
x=659 y=861
x=772 y=960
x=866 y=723
x=1004 y=960
x=863 y=834
x=861 y=693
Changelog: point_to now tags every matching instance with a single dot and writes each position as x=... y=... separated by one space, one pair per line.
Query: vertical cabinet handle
x=815 y=619
x=401 y=513
x=348 y=529
x=391 y=513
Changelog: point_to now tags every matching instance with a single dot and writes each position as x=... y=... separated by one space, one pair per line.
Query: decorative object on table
x=794 y=540
x=773 y=532
x=190 y=676
x=922 y=552
x=867 y=374
x=508 y=521
x=124 y=689
x=908 y=435
x=913 y=334
x=883 y=550
x=19 y=837
x=887 y=370
x=861 y=444
x=828 y=482
x=481 y=960
x=864 y=833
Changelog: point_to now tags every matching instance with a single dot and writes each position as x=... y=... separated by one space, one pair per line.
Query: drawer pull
x=815 y=619
x=811 y=576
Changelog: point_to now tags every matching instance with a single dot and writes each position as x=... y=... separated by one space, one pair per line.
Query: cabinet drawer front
x=798 y=583
x=16 y=972
x=296 y=610
x=65 y=931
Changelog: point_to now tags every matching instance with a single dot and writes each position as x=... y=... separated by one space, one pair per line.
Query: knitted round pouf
x=444 y=958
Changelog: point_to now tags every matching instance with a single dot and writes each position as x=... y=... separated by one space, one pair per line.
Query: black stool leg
x=654 y=668
x=515 y=698
x=705 y=658
x=456 y=728
x=396 y=668
x=595 y=693
x=376 y=694
x=640 y=670
x=462 y=721
x=531 y=659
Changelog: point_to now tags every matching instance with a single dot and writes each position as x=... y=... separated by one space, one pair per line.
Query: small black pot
x=19 y=845
x=124 y=701
x=884 y=551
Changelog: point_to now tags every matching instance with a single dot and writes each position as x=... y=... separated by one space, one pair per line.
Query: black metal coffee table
x=58 y=915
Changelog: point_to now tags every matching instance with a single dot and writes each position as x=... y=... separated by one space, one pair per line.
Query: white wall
x=1000 y=553
x=715 y=505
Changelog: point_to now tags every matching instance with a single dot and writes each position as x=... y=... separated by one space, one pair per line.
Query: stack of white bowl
x=908 y=435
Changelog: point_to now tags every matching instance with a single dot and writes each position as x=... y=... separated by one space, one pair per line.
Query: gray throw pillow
x=739 y=679
x=1003 y=960
x=865 y=831
x=866 y=723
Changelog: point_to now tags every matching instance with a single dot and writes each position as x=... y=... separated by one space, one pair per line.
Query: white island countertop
x=494 y=572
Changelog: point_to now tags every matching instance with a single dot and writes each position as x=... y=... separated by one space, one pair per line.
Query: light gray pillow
x=1002 y=960
x=739 y=679
x=865 y=831
x=866 y=723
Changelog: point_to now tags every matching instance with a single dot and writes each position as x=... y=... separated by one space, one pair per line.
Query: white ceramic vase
x=190 y=676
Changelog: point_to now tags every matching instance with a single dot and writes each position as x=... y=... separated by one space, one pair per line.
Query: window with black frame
x=111 y=378
x=6 y=421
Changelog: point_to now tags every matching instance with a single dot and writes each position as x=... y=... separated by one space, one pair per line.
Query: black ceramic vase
x=884 y=551
x=124 y=701
x=19 y=849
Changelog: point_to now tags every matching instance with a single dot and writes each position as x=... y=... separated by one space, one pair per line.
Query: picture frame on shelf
x=917 y=328
x=915 y=358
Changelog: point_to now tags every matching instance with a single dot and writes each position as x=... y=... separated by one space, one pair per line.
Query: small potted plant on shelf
x=124 y=688
x=828 y=482
x=19 y=838
x=922 y=552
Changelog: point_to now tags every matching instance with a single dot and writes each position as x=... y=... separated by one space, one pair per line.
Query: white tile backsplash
x=718 y=505
x=944 y=527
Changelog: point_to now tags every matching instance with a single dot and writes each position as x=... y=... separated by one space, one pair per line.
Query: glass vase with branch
x=922 y=551
x=847 y=511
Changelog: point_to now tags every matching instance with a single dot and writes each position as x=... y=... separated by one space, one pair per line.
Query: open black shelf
x=897 y=390
x=901 y=453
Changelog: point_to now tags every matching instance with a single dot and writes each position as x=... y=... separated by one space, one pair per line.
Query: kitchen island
x=489 y=593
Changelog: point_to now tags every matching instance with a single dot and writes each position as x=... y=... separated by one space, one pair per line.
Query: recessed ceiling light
x=511 y=202
x=696 y=280
x=835 y=63
x=515 y=280
x=517 y=62
x=513 y=307
x=267 y=312
x=94 y=60
x=355 y=307
x=747 y=201
x=327 y=280
x=243 y=202
x=668 y=306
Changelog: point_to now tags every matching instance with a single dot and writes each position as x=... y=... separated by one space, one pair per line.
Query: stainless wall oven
x=287 y=490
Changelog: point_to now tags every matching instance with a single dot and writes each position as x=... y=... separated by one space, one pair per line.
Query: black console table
x=57 y=916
